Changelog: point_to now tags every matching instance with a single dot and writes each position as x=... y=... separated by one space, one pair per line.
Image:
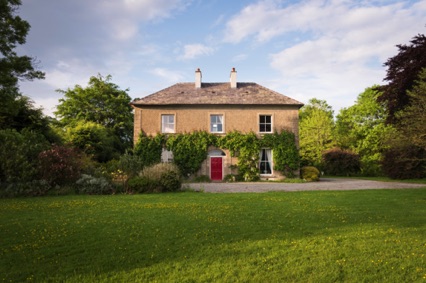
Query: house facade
x=218 y=108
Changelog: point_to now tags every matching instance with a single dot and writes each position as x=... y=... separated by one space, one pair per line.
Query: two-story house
x=218 y=108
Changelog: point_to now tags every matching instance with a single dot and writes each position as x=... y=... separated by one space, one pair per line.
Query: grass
x=381 y=179
x=324 y=236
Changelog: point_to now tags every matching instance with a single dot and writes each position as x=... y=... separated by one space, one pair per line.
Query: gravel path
x=325 y=184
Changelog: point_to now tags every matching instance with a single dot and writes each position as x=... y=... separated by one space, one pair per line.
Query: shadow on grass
x=82 y=236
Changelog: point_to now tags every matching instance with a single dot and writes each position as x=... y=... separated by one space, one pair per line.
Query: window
x=216 y=123
x=265 y=161
x=166 y=156
x=265 y=123
x=167 y=123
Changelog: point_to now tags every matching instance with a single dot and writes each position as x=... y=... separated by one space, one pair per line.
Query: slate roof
x=216 y=94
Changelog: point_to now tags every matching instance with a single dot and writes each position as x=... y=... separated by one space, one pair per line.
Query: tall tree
x=403 y=70
x=13 y=31
x=101 y=102
x=316 y=129
x=412 y=119
x=361 y=128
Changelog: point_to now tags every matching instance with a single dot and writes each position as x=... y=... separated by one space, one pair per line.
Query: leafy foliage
x=341 y=162
x=94 y=185
x=362 y=129
x=18 y=155
x=405 y=161
x=246 y=147
x=285 y=153
x=13 y=32
x=316 y=131
x=32 y=188
x=149 y=149
x=102 y=102
x=412 y=119
x=93 y=139
x=310 y=173
x=60 y=165
x=161 y=177
x=403 y=70
x=189 y=150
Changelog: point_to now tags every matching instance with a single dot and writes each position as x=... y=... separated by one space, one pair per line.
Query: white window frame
x=215 y=125
x=268 y=156
x=165 y=124
x=271 y=123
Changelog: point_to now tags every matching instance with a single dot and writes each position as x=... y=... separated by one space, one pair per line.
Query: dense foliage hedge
x=341 y=162
x=404 y=162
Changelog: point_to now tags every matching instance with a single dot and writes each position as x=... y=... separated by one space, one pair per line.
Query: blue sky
x=330 y=50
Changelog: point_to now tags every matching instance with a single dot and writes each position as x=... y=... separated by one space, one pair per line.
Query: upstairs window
x=265 y=123
x=167 y=124
x=216 y=123
x=265 y=161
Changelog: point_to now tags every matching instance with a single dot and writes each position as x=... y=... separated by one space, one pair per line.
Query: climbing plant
x=246 y=147
x=285 y=152
x=191 y=149
x=149 y=148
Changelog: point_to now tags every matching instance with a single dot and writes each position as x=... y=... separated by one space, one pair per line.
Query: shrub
x=310 y=173
x=404 y=162
x=60 y=165
x=27 y=189
x=94 y=186
x=18 y=155
x=341 y=162
x=162 y=177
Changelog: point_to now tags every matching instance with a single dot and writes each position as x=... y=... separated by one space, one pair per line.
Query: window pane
x=268 y=128
x=167 y=123
x=216 y=123
x=265 y=165
x=265 y=123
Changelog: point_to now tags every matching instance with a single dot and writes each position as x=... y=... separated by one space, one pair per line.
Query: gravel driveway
x=324 y=184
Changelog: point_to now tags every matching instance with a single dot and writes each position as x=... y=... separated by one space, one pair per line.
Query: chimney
x=198 y=77
x=233 y=78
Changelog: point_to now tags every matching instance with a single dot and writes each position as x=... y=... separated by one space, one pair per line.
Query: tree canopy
x=403 y=70
x=17 y=111
x=316 y=131
x=412 y=118
x=361 y=128
x=13 y=31
x=101 y=102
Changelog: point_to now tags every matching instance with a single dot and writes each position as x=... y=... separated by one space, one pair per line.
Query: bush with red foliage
x=404 y=162
x=340 y=162
x=60 y=165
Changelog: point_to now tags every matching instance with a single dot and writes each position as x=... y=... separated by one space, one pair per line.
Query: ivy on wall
x=191 y=149
x=149 y=148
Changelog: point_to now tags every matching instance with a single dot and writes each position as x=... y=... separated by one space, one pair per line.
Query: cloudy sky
x=331 y=50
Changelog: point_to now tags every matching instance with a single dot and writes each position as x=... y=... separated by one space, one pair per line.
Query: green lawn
x=327 y=236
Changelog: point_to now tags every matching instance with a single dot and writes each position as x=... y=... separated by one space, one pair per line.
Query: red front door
x=216 y=168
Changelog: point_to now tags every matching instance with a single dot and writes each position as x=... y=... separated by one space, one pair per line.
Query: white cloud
x=169 y=75
x=338 y=45
x=191 y=51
